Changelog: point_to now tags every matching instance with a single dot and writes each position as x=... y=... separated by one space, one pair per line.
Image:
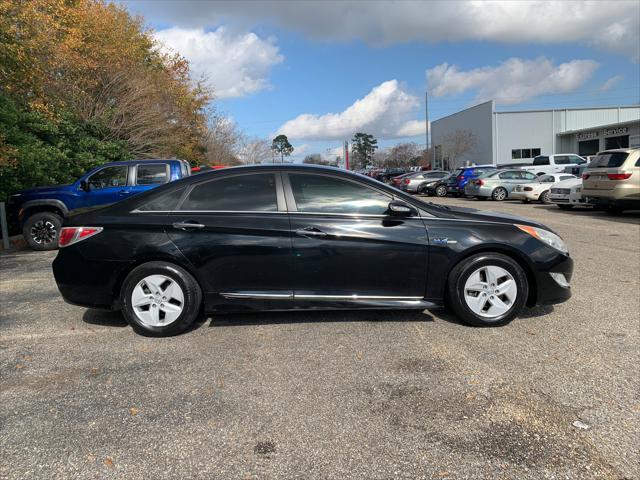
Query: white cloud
x=412 y=128
x=513 y=81
x=233 y=64
x=612 y=25
x=381 y=112
x=611 y=82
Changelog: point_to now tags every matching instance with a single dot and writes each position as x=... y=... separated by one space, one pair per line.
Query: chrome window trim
x=293 y=296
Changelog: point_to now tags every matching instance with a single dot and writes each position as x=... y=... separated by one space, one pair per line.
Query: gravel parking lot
x=373 y=395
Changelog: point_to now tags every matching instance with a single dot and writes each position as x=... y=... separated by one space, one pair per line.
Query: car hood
x=463 y=213
x=41 y=190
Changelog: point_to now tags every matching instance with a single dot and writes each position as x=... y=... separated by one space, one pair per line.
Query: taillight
x=71 y=235
x=407 y=181
x=585 y=176
x=460 y=178
x=618 y=176
x=480 y=182
x=528 y=189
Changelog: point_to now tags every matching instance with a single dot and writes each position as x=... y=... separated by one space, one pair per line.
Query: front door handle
x=187 y=225
x=310 y=232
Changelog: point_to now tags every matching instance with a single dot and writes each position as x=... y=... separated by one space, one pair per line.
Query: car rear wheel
x=488 y=289
x=41 y=230
x=441 y=191
x=499 y=194
x=160 y=299
x=544 y=196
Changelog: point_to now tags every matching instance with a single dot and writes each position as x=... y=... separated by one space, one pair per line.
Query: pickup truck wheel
x=41 y=230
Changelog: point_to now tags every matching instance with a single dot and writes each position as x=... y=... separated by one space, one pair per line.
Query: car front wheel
x=441 y=191
x=488 y=289
x=160 y=299
x=41 y=230
x=544 y=197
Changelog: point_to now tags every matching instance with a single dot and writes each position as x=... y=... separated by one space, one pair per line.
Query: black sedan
x=284 y=237
x=437 y=188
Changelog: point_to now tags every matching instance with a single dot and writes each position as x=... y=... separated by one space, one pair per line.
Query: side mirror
x=401 y=209
x=84 y=185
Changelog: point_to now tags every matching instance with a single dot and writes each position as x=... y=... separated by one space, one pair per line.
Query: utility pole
x=426 y=128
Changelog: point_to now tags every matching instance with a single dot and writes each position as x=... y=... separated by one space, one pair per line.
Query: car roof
x=142 y=160
x=619 y=150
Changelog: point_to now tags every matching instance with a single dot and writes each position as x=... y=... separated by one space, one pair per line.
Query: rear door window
x=541 y=160
x=163 y=203
x=562 y=160
x=566 y=177
x=152 y=174
x=239 y=193
x=609 y=160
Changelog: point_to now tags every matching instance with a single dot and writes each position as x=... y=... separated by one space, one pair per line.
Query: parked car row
x=610 y=181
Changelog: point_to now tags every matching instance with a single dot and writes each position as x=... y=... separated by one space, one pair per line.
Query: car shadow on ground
x=104 y=318
x=628 y=216
x=319 y=316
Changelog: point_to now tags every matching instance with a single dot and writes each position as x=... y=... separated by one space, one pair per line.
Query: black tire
x=544 y=197
x=192 y=298
x=461 y=272
x=614 y=210
x=499 y=194
x=565 y=207
x=441 y=191
x=42 y=230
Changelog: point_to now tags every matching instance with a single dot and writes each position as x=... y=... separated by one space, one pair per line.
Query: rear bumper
x=86 y=283
x=524 y=195
x=612 y=202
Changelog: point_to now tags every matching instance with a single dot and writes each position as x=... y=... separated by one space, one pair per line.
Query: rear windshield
x=609 y=160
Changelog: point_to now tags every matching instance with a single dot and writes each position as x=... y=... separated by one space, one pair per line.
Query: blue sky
x=358 y=66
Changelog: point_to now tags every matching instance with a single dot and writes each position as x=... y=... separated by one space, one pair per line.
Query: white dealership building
x=510 y=137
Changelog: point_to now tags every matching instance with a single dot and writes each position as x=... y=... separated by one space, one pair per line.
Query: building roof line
x=597 y=127
x=573 y=109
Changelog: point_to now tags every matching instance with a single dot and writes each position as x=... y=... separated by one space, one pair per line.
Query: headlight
x=545 y=236
x=431 y=184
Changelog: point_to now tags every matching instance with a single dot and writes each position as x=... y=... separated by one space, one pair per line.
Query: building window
x=524 y=153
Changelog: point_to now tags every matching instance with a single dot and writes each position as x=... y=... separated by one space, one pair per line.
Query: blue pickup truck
x=39 y=211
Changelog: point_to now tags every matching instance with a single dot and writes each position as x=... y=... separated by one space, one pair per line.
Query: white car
x=568 y=194
x=539 y=189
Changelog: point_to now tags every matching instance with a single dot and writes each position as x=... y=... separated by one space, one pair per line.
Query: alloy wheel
x=157 y=300
x=490 y=291
x=500 y=194
x=441 y=191
x=43 y=232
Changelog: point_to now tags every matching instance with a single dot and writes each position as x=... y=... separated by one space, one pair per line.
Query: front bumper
x=548 y=290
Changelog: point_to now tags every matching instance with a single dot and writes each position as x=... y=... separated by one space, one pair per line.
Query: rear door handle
x=310 y=232
x=188 y=225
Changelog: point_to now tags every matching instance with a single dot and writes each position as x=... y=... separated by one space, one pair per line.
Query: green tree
x=363 y=146
x=282 y=146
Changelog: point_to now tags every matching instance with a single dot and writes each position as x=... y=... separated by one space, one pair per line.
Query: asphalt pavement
x=332 y=395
